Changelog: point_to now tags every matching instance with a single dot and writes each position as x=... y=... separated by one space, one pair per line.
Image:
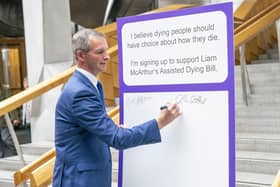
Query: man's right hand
x=168 y=114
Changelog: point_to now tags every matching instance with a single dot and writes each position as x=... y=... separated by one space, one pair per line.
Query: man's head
x=90 y=51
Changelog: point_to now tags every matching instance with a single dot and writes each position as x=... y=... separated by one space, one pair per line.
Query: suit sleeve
x=89 y=113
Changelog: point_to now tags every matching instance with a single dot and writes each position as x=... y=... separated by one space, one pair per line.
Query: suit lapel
x=88 y=83
x=84 y=79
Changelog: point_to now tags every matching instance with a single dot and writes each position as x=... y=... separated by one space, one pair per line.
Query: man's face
x=96 y=58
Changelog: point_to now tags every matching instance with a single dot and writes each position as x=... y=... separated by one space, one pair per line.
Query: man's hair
x=81 y=40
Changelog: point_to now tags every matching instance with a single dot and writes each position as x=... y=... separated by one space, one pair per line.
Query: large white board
x=191 y=149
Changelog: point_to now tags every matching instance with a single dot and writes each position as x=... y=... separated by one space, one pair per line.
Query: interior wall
x=49 y=52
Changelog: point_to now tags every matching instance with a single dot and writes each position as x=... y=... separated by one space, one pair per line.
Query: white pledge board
x=183 y=56
x=191 y=147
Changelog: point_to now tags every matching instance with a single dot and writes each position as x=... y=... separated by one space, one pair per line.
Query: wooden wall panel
x=14 y=62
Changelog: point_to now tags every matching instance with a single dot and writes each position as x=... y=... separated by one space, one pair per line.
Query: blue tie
x=100 y=90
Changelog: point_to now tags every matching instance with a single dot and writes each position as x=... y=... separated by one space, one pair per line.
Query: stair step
x=37 y=148
x=260 y=79
x=243 y=184
x=7 y=178
x=258 y=73
x=258 y=136
x=249 y=111
x=264 y=89
x=256 y=100
x=247 y=179
x=6 y=175
x=260 y=68
x=258 y=125
x=260 y=162
x=258 y=155
x=258 y=142
x=14 y=163
x=6 y=183
x=273 y=50
x=266 y=61
x=271 y=55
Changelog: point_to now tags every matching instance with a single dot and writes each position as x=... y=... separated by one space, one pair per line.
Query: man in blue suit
x=83 y=131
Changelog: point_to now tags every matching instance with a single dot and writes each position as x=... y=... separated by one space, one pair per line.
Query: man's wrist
x=160 y=123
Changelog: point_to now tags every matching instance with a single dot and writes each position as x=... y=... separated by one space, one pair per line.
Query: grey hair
x=81 y=40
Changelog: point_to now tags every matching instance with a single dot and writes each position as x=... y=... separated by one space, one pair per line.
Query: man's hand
x=168 y=114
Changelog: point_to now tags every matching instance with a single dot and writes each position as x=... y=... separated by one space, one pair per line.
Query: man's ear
x=80 y=55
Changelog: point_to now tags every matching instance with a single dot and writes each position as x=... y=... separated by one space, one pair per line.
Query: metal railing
x=246 y=85
x=246 y=32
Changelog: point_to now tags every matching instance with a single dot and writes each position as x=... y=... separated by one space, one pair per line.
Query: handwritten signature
x=181 y=98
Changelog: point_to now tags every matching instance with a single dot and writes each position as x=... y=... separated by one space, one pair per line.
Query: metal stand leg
x=243 y=71
x=16 y=143
x=14 y=138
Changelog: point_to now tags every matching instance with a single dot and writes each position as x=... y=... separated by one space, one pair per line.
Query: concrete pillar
x=48 y=50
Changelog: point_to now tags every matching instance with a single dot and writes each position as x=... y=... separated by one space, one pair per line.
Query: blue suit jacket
x=83 y=134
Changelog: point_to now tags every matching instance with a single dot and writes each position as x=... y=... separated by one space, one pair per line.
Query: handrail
x=42 y=176
x=114 y=112
x=24 y=173
x=256 y=24
x=256 y=17
x=245 y=9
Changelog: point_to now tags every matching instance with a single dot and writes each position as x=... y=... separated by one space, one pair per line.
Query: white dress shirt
x=90 y=76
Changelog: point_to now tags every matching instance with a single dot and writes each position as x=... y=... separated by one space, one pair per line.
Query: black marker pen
x=178 y=101
x=163 y=107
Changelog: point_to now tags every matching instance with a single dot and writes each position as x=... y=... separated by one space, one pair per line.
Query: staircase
x=9 y=165
x=258 y=124
x=32 y=152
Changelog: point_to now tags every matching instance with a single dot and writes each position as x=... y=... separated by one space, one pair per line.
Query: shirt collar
x=90 y=76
